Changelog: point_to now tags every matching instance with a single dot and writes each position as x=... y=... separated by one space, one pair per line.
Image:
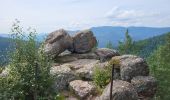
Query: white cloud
x=127 y=17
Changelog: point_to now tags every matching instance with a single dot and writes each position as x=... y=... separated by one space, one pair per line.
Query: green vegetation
x=160 y=68
x=5 y=45
x=126 y=46
x=142 y=48
x=101 y=77
x=109 y=45
x=29 y=70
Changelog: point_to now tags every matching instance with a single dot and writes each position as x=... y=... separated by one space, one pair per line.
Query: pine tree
x=126 y=46
x=109 y=45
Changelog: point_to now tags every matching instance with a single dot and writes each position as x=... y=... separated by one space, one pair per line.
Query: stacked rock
x=59 y=41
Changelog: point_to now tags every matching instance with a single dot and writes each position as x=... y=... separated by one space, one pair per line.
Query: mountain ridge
x=114 y=34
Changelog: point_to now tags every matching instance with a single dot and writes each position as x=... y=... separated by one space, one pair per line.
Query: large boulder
x=82 y=88
x=131 y=66
x=121 y=90
x=146 y=86
x=62 y=75
x=84 y=41
x=106 y=53
x=57 y=42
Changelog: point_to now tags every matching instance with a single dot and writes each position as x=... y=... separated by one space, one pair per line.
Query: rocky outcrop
x=84 y=41
x=146 y=86
x=82 y=88
x=121 y=90
x=57 y=42
x=106 y=54
x=75 y=62
x=131 y=66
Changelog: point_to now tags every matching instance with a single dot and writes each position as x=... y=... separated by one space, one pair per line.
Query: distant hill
x=115 y=34
x=145 y=47
x=147 y=38
x=104 y=34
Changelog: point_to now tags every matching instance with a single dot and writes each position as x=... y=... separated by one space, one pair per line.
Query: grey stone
x=57 y=42
x=62 y=75
x=82 y=88
x=131 y=66
x=121 y=90
x=146 y=86
x=84 y=41
x=106 y=53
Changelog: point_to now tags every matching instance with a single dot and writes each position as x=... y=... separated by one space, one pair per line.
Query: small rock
x=131 y=66
x=57 y=42
x=121 y=90
x=82 y=88
x=146 y=86
x=106 y=53
x=84 y=41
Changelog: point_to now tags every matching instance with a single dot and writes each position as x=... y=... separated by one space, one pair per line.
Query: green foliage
x=126 y=46
x=59 y=97
x=144 y=48
x=160 y=68
x=29 y=72
x=1 y=69
x=109 y=45
x=101 y=77
x=5 y=44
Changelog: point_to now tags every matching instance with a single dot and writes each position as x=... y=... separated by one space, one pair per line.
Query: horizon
x=47 y=16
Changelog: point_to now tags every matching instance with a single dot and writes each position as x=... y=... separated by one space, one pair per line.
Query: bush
x=101 y=77
x=29 y=72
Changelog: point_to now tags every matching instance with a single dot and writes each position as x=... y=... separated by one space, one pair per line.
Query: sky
x=50 y=15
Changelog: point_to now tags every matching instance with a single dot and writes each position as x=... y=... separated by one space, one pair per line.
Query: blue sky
x=49 y=15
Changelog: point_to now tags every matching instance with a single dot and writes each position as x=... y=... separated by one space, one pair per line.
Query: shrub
x=29 y=72
x=101 y=77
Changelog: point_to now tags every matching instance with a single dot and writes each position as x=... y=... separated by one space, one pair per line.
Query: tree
x=126 y=46
x=109 y=45
x=160 y=68
x=29 y=69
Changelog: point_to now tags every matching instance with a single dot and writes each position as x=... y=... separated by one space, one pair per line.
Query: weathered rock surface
x=82 y=88
x=146 y=86
x=106 y=53
x=57 y=42
x=131 y=66
x=63 y=75
x=84 y=41
x=121 y=90
x=87 y=70
x=73 y=57
x=79 y=69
